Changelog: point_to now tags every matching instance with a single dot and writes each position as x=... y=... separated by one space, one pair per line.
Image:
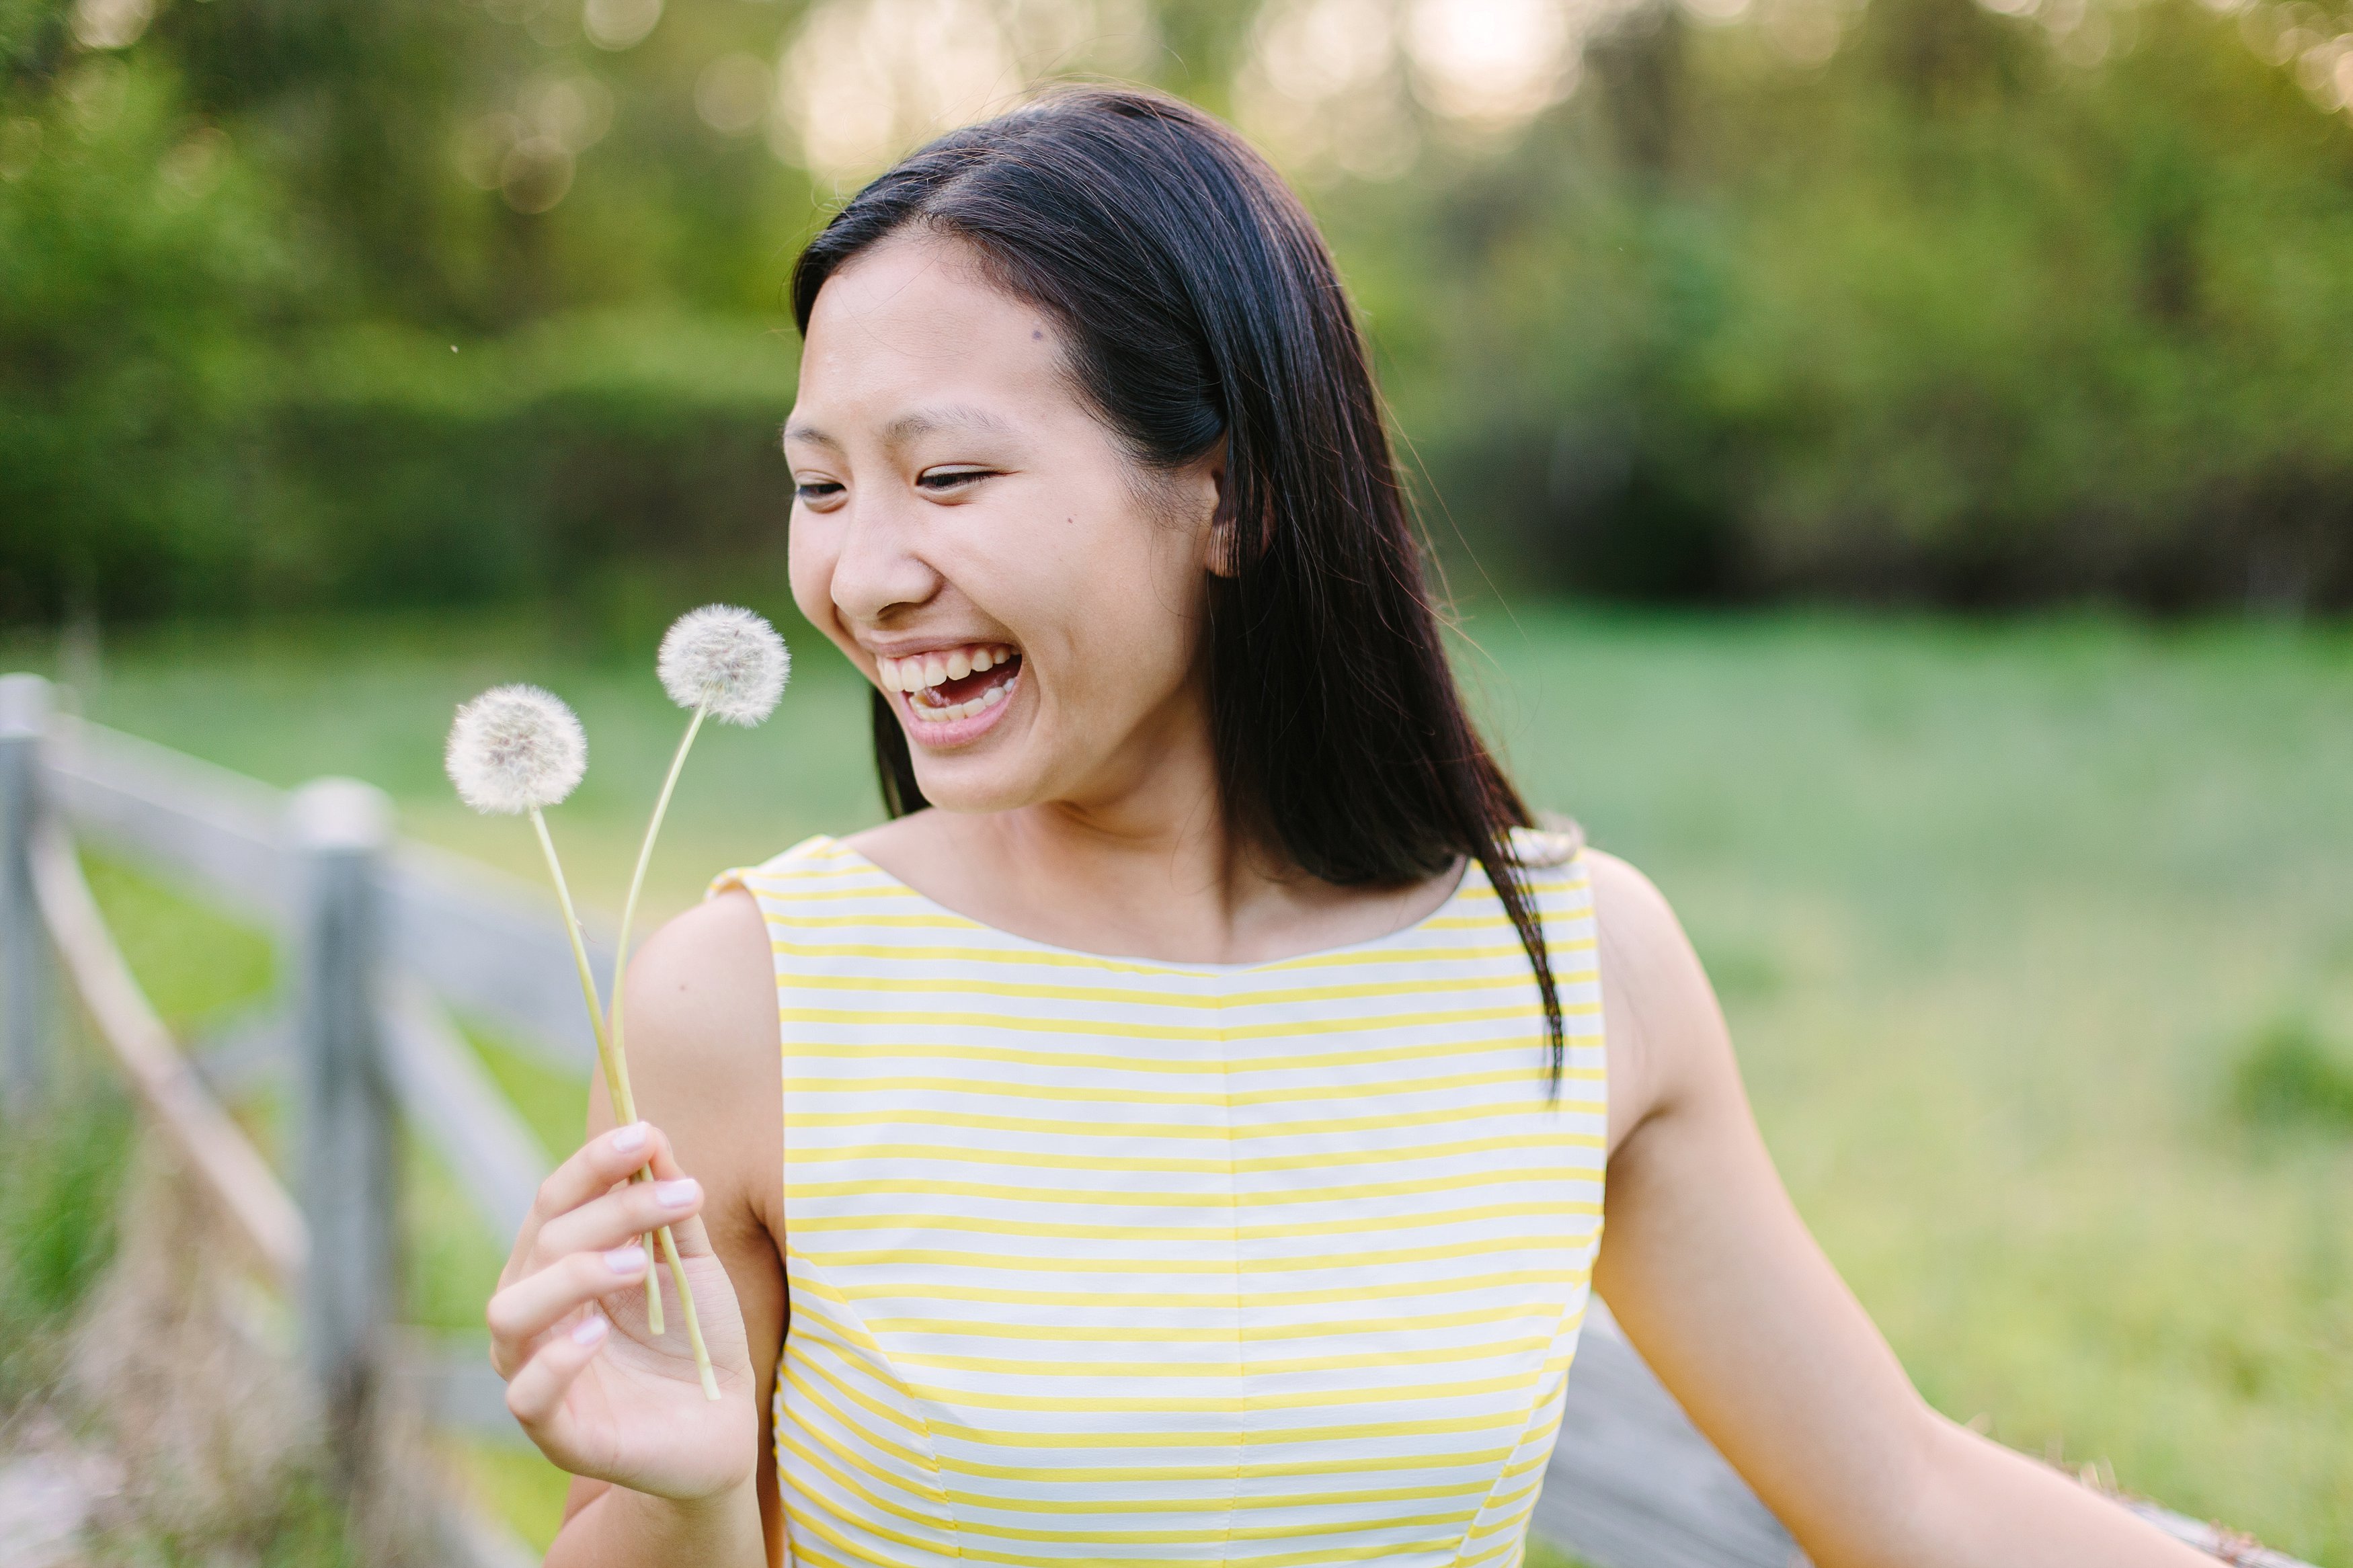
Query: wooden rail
x=1632 y=1483
x=54 y=914
x=484 y=943
x=210 y=1146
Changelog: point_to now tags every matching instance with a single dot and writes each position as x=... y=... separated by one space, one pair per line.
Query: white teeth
x=919 y=672
x=954 y=710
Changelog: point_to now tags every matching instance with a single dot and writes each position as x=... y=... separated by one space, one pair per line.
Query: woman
x=1197 y=1096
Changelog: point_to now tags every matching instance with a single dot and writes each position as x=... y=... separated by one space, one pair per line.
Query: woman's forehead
x=925 y=298
x=910 y=339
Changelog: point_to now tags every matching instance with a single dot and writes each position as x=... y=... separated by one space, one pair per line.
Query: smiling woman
x=1196 y=1101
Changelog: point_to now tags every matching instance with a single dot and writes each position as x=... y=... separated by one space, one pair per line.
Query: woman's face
x=967 y=530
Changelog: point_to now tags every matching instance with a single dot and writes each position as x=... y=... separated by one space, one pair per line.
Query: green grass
x=517 y=1485
x=60 y=1175
x=2037 y=939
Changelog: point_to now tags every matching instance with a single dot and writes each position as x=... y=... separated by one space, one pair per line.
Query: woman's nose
x=881 y=567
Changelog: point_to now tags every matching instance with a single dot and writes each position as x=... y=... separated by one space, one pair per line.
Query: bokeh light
x=733 y=93
x=110 y=24
x=862 y=80
x=619 y=24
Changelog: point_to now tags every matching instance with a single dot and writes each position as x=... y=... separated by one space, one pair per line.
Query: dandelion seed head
x=727 y=659
x=515 y=749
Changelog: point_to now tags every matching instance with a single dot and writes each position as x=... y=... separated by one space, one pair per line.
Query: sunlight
x=862 y=80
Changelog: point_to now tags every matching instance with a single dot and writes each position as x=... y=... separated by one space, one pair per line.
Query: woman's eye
x=938 y=480
x=816 y=491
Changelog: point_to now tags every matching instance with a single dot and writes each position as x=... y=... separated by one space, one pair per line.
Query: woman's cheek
x=808 y=565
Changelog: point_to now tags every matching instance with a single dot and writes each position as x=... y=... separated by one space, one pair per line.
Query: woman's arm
x=701 y=1044
x=1718 y=1282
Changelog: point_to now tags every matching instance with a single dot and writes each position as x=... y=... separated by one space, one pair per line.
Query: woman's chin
x=957 y=772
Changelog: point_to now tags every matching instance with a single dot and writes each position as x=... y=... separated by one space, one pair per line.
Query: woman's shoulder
x=1641 y=942
x=1665 y=1031
x=701 y=1010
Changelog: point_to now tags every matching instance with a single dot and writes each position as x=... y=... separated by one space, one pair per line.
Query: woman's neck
x=1158 y=871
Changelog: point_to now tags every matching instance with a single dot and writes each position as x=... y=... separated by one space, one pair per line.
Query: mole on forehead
x=914 y=423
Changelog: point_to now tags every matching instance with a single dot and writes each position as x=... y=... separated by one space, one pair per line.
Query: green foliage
x=513 y=468
x=2288 y=1077
x=137 y=250
x=60 y=1175
x=1960 y=314
x=1949 y=319
x=235 y=259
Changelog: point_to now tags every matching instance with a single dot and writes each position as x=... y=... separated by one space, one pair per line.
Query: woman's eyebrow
x=948 y=417
x=911 y=424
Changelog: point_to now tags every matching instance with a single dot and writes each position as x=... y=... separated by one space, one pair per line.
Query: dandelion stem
x=617 y=1076
x=617 y=1085
x=620 y=1063
x=686 y=1311
x=637 y=880
x=614 y=1086
x=620 y=969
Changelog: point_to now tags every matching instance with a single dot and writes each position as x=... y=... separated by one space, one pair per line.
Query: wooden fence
x=385 y=935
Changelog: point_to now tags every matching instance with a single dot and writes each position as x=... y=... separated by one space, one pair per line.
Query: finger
x=535 y=1394
x=687 y=1230
x=591 y=1171
x=625 y=1212
x=521 y=1313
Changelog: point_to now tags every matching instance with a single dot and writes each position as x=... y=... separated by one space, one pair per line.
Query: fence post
x=24 y=1017
x=347 y=1151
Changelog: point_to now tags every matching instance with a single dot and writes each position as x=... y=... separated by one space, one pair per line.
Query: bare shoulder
x=1665 y=1034
x=701 y=1037
x=704 y=987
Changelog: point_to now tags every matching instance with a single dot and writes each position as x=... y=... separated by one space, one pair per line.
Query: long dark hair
x=1201 y=305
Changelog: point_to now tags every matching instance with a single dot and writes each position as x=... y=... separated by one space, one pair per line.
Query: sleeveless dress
x=1099 y=1260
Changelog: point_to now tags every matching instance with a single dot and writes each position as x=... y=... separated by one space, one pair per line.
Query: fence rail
x=390 y=933
x=208 y=1144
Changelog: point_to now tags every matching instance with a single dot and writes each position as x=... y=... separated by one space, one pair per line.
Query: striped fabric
x=1109 y=1260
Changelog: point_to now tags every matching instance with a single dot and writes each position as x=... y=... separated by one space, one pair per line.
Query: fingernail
x=590 y=1329
x=631 y=1137
x=678 y=1195
x=629 y=1259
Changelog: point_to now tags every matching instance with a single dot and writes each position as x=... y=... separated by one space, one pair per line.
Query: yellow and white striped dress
x=1108 y=1260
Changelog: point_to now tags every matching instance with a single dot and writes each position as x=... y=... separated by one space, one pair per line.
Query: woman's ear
x=1218 y=514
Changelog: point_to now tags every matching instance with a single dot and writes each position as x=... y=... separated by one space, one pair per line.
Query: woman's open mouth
x=945 y=686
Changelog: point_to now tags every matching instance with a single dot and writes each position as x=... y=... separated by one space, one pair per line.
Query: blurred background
x=1893 y=460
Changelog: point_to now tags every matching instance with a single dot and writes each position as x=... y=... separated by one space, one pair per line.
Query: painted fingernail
x=629 y=1259
x=678 y=1195
x=631 y=1137
x=590 y=1329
